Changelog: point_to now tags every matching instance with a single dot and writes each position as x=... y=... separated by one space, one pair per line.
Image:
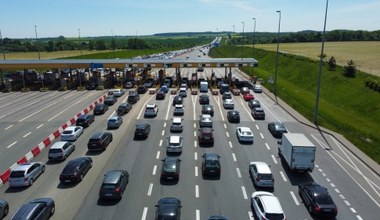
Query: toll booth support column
x=230 y=77
x=178 y=75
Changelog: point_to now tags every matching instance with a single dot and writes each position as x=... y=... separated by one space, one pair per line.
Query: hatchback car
x=227 y=95
x=261 y=174
x=176 y=125
x=244 y=134
x=99 y=141
x=182 y=92
x=37 y=209
x=204 y=100
x=233 y=116
x=228 y=104
x=211 y=165
x=114 y=122
x=175 y=145
x=258 y=89
x=205 y=121
x=258 y=113
x=124 y=108
x=208 y=110
x=248 y=97
x=178 y=110
x=25 y=174
x=254 y=104
x=142 y=131
x=100 y=109
x=75 y=170
x=317 y=200
x=171 y=167
x=110 y=100
x=277 y=129
x=114 y=184
x=133 y=97
x=85 y=120
x=142 y=89
x=71 y=133
x=4 y=208
x=206 y=136
x=177 y=100
x=151 y=110
x=266 y=206
x=60 y=150
x=160 y=95
x=168 y=208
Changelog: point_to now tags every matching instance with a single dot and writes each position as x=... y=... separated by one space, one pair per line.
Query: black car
x=168 y=209
x=142 y=89
x=124 y=108
x=133 y=97
x=142 y=131
x=317 y=200
x=4 y=208
x=160 y=95
x=277 y=129
x=178 y=100
x=254 y=104
x=37 y=209
x=204 y=100
x=75 y=170
x=171 y=167
x=211 y=165
x=99 y=141
x=258 y=113
x=233 y=116
x=114 y=184
x=208 y=110
x=85 y=120
x=110 y=100
x=206 y=136
x=100 y=109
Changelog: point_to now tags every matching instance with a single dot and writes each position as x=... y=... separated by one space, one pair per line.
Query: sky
x=91 y=18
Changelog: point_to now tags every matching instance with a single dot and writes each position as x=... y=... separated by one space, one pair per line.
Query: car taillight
x=257 y=179
x=317 y=209
x=75 y=174
x=117 y=189
x=335 y=210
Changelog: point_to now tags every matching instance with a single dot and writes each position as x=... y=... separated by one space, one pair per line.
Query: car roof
x=112 y=176
x=262 y=167
x=211 y=156
x=97 y=134
x=124 y=104
x=177 y=120
x=245 y=129
x=58 y=144
x=114 y=117
x=84 y=116
x=23 y=166
x=143 y=125
x=316 y=188
x=150 y=105
x=25 y=211
x=269 y=201
x=234 y=112
x=178 y=106
x=259 y=109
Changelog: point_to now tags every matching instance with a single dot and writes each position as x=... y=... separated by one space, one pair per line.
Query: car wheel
x=31 y=182
x=52 y=211
x=43 y=169
x=6 y=211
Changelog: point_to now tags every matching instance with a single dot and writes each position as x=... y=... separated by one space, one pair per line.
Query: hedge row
x=373 y=84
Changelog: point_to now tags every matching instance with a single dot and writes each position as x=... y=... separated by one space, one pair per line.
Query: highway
x=354 y=187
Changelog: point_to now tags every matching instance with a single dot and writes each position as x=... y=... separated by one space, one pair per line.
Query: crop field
x=49 y=55
x=365 y=54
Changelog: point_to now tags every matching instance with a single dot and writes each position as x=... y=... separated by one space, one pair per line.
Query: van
x=261 y=174
x=60 y=150
x=176 y=125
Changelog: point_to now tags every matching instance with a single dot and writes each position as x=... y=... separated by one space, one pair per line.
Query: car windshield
x=246 y=133
x=55 y=151
x=112 y=120
x=324 y=200
x=67 y=132
x=171 y=167
x=212 y=163
x=108 y=186
x=15 y=174
x=274 y=216
x=265 y=176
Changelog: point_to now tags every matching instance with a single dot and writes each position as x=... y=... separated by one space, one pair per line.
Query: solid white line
x=238 y=172
x=158 y=155
x=26 y=135
x=244 y=192
x=163 y=132
x=195 y=133
x=9 y=146
x=257 y=127
x=250 y=214
x=274 y=159
x=266 y=145
x=227 y=134
x=197 y=214
x=154 y=170
x=36 y=112
x=196 y=191
x=230 y=143
x=195 y=156
x=262 y=136
x=150 y=189
x=225 y=126
x=283 y=176
x=353 y=210
x=8 y=127
x=234 y=157
x=196 y=171
x=165 y=125
x=160 y=144
x=39 y=126
x=195 y=143
x=143 y=217
x=294 y=198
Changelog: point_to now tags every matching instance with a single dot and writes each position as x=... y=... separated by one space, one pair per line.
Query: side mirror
x=279 y=142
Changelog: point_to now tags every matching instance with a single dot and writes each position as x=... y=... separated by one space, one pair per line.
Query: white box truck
x=297 y=151
x=203 y=86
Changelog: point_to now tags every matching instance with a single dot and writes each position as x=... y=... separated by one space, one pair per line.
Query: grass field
x=49 y=55
x=366 y=55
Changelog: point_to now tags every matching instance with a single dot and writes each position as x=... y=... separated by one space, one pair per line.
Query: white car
x=205 y=121
x=267 y=206
x=116 y=92
x=178 y=110
x=244 y=134
x=151 y=110
x=71 y=133
x=261 y=174
x=257 y=89
x=228 y=104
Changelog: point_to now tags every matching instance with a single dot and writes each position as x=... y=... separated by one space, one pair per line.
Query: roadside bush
x=350 y=69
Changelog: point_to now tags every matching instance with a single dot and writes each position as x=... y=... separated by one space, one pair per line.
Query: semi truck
x=297 y=151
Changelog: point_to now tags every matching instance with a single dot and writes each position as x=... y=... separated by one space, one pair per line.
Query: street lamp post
x=2 y=45
x=217 y=40
x=320 y=66
x=233 y=46
x=38 y=49
x=80 y=43
x=253 y=37
x=278 y=44
x=242 y=40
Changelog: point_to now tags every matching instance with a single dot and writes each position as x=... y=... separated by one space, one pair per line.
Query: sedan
x=317 y=200
x=244 y=134
x=248 y=97
x=171 y=167
x=75 y=170
x=205 y=136
x=168 y=208
x=254 y=104
x=100 y=109
x=204 y=100
x=277 y=129
x=41 y=209
x=71 y=133
x=208 y=110
x=4 y=208
x=114 y=122
x=228 y=104
x=178 y=110
x=233 y=116
x=110 y=100
x=258 y=113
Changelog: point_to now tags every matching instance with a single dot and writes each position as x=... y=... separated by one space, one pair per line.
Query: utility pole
x=242 y=40
x=278 y=44
x=38 y=49
x=80 y=43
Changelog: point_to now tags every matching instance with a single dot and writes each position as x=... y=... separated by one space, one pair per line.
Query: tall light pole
x=2 y=44
x=38 y=49
x=80 y=43
x=320 y=67
x=242 y=40
x=253 y=37
x=217 y=40
x=233 y=34
x=278 y=44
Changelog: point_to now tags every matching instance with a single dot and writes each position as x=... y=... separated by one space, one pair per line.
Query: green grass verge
x=346 y=105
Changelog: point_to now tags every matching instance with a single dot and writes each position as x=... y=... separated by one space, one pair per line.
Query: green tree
x=332 y=63
x=100 y=45
x=50 y=47
x=91 y=45
x=350 y=69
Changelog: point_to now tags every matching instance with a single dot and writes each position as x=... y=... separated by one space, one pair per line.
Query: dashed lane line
x=238 y=172
x=283 y=176
x=195 y=144
x=9 y=146
x=196 y=171
x=160 y=144
x=230 y=144
x=158 y=155
x=145 y=212
x=227 y=134
x=266 y=145
x=195 y=156
x=8 y=127
x=261 y=135
x=250 y=214
x=196 y=191
x=244 y=192
x=39 y=126
x=294 y=198
x=257 y=127
x=274 y=159
x=27 y=134
x=197 y=214
x=234 y=157
x=150 y=189
x=154 y=170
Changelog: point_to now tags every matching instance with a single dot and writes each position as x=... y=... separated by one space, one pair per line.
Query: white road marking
x=27 y=134
x=320 y=170
x=8 y=127
x=342 y=196
x=294 y=198
x=160 y=144
x=244 y=192
x=230 y=143
x=36 y=112
x=266 y=145
x=9 y=146
x=154 y=170
x=316 y=165
x=323 y=174
x=262 y=136
x=163 y=132
x=150 y=189
x=227 y=134
x=353 y=210
x=196 y=191
x=197 y=214
x=196 y=170
x=225 y=126
x=165 y=125
x=145 y=211
x=158 y=155
x=142 y=109
x=332 y=185
x=250 y=214
x=238 y=172
x=195 y=125
x=257 y=127
x=234 y=157
x=328 y=180
x=195 y=143
x=283 y=176
x=359 y=217
x=195 y=133
x=347 y=203
x=64 y=110
x=39 y=126
x=274 y=159
x=195 y=156
x=337 y=190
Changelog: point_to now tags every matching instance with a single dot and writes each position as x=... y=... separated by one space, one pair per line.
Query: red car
x=248 y=97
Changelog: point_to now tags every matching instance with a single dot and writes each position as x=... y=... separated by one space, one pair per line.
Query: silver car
x=114 y=122
x=205 y=121
x=25 y=174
